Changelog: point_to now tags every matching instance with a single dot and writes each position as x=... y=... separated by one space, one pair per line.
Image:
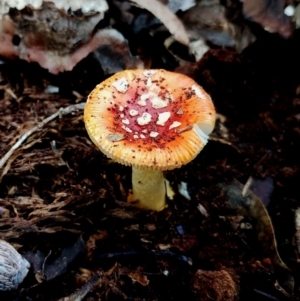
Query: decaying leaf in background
x=208 y=20
x=113 y=54
x=55 y=37
x=47 y=268
x=248 y=204
x=270 y=15
x=36 y=31
x=263 y=189
x=207 y=23
x=167 y=17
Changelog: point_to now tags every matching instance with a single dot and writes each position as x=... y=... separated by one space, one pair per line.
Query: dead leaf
x=138 y=277
x=269 y=14
x=248 y=204
x=47 y=268
x=167 y=17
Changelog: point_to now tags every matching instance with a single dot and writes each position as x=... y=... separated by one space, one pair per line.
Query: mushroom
x=152 y=120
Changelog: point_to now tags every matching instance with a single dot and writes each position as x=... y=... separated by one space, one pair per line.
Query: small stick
x=61 y=112
x=83 y=291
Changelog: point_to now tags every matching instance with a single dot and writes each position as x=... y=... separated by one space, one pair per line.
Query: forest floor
x=63 y=203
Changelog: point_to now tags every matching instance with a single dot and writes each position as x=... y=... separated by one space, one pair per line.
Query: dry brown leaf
x=138 y=277
x=248 y=204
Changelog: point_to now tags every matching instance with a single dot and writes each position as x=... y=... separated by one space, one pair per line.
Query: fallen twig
x=61 y=112
x=83 y=291
x=224 y=141
x=157 y=253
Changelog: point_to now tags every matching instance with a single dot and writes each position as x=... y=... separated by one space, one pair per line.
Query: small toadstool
x=152 y=120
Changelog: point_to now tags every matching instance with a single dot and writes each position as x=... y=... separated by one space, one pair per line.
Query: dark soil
x=64 y=207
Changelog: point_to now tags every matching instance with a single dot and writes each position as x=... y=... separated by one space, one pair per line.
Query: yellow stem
x=149 y=188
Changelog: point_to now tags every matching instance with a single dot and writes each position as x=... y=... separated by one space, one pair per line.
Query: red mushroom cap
x=149 y=119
